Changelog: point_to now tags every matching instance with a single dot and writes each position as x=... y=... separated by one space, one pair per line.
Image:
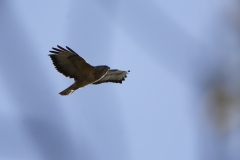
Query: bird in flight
x=71 y=65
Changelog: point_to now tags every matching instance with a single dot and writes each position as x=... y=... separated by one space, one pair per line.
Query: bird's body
x=71 y=65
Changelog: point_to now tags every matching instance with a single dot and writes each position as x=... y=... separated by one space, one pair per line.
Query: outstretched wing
x=69 y=63
x=114 y=76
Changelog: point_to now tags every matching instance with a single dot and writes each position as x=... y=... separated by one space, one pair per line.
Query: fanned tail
x=67 y=91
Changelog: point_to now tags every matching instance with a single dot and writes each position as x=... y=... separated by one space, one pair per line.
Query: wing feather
x=69 y=63
x=114 y=76
x=63 y=49
x=56 y=50
x=70 y=49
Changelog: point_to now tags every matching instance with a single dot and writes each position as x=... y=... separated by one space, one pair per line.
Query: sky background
x=179 y=102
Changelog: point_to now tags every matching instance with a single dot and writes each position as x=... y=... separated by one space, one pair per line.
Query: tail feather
x=67 y=91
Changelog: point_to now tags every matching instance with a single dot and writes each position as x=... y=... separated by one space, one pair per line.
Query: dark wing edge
x=61 y=61
x=113 y=76
x=61 y=49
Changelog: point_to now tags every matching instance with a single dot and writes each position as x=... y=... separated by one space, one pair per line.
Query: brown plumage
x=71 y=65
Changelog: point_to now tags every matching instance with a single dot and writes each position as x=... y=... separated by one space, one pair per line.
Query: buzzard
x=71 y=65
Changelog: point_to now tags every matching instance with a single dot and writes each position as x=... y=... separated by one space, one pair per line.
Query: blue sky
x=157 y=113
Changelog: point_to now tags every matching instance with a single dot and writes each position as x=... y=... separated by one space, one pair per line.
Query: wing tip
x=55 y=52
x=52 y=55
x=61 y=49
x=70 y=49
